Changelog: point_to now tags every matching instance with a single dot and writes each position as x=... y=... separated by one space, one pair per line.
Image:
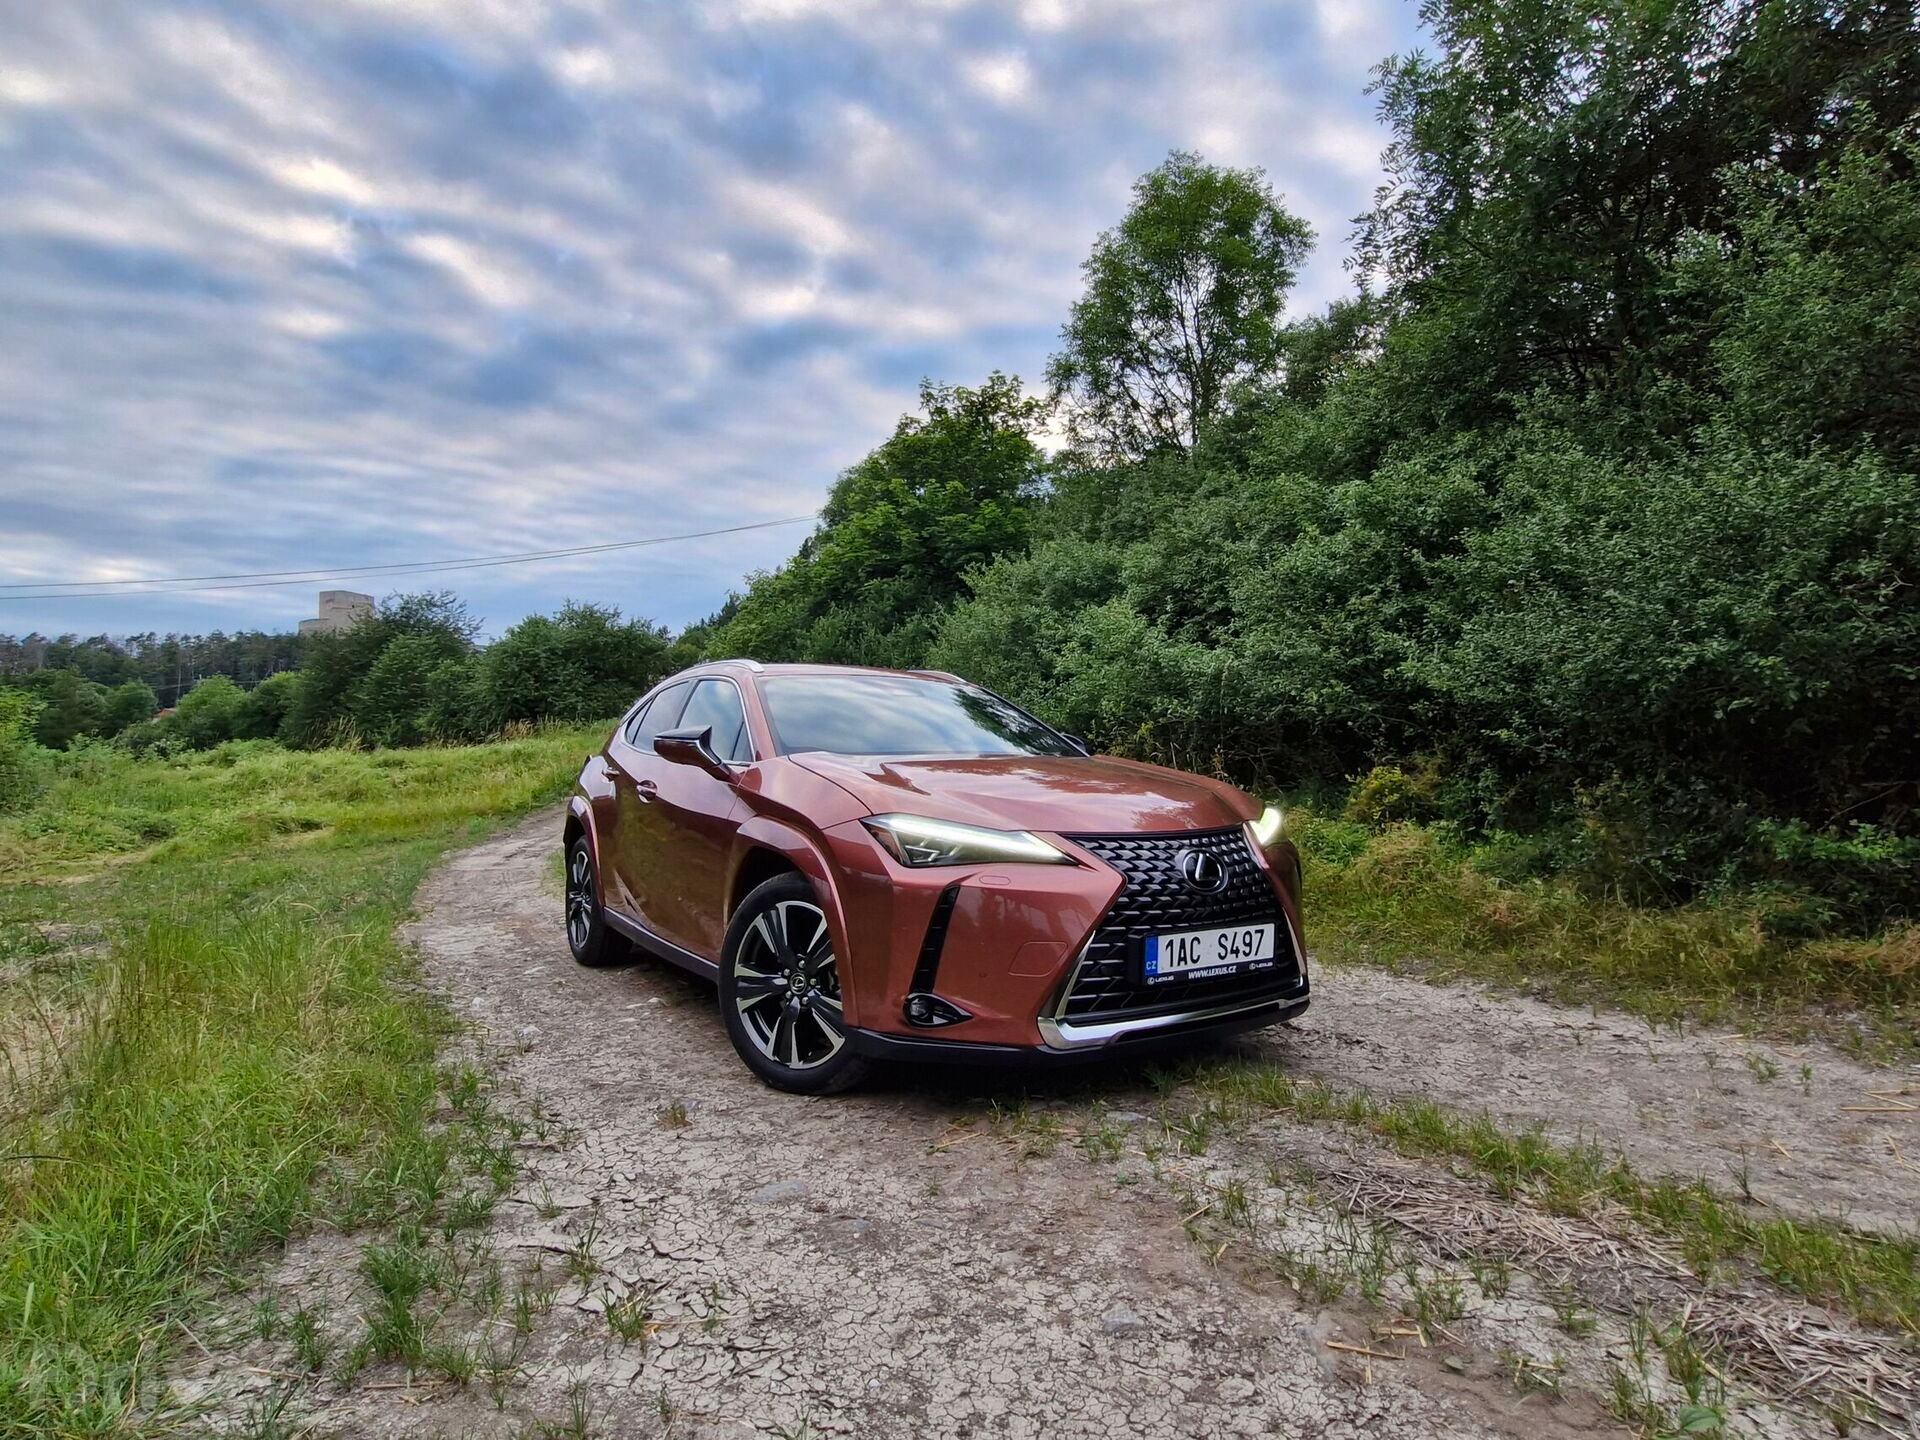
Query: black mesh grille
x=1155 y=900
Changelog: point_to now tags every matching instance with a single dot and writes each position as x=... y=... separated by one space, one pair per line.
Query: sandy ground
x=927 y=1256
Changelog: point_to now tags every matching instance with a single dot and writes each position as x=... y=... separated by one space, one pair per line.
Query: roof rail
x=730 y=660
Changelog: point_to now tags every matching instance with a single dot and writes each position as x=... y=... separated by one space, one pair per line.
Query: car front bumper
x=1067 y=1045
x=1007 y=945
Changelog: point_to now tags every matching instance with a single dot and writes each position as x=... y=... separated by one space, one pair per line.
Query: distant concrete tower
x=338 y=610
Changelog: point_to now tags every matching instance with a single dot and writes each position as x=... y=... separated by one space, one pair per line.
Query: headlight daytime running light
x=1267 y=828
x=921 y=841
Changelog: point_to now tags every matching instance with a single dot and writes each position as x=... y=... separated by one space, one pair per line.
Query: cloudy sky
x=339 y=282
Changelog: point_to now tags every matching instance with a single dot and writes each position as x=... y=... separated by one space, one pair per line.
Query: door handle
x=644 y=791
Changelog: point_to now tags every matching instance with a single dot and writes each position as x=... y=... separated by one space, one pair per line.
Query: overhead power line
x=288 y=579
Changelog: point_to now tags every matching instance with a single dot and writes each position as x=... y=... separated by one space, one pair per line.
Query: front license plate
x=1204 y=953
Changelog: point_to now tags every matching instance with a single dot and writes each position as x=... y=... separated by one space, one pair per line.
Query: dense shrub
x=1591 y=528
x=159 y=736
x=70 y=707
x=412 y=673
x=456 y=710
x=22 y=762
x=583 y=664
x=267 y=706
x=208 y=713
x=326 y=706
x=128 y=704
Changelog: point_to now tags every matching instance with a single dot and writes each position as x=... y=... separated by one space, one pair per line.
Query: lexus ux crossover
x=899 y=865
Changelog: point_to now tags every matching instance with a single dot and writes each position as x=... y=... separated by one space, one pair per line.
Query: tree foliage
x=334 y=701
x=949 y=491
x=583 y=664
x=1183 y=303
x=1596 y=509
x=21 y=770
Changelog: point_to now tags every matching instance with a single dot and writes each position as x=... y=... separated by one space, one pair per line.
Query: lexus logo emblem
x=1201 y=871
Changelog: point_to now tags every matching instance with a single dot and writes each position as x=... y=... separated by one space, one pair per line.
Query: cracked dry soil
x=878 y=1264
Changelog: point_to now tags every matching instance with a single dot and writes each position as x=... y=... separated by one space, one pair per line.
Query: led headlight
x=917 y=840
x=1267 y=828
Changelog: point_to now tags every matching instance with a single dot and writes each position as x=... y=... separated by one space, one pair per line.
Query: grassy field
x=1402 y=897
x=211 y=1036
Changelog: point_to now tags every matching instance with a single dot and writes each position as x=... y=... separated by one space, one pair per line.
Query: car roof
x=795 y=668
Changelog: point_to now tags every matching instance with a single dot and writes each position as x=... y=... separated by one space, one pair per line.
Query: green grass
x=1405 y=898
x=1874 y=1277
x=240 y=1050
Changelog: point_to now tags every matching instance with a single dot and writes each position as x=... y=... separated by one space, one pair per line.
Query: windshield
x=899 y=715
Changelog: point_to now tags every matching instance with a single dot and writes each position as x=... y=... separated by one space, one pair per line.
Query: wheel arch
x=579 y=822
x=769 y=847
x=759 y=864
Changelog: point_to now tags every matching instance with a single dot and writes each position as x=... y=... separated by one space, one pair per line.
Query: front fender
x=763 y=832
x=583 y=818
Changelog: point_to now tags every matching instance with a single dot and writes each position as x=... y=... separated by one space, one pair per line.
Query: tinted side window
x=717 y=703
x=662 y=714
x=634 y=723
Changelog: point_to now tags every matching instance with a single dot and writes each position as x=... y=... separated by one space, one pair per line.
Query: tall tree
x=1183 y=302
x=947 y=492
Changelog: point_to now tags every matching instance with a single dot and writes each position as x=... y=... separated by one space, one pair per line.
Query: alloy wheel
x=787 y=986
x=580 y=899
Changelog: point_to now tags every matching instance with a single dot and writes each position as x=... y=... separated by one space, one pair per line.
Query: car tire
x=780 y=992
x=588 y=937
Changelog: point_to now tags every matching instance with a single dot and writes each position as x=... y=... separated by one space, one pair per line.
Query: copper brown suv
x=901 y=865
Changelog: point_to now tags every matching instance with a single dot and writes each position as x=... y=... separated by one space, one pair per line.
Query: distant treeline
x=411 y=673
x=169 y=665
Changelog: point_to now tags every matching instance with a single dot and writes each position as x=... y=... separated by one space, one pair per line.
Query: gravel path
x=1795 y=1120
x=893 y=1263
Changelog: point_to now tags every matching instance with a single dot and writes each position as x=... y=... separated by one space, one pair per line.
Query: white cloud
x=486 y=276
x=591 y=66
x=28 y=88
x=1006 y=77
x=332 y=281
x=318 y=175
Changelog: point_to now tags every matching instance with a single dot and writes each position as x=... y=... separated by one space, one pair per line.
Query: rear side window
x=662 y=714
x=632 y=728
x=716 y=703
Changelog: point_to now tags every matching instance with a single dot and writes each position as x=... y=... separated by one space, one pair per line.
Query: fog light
x=930 y=1011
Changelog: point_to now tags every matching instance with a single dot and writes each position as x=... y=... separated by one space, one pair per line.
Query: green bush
x=457 y=711
x=334 y=668
x=23 y=767
x=583 y=664
x=1388 y=793
x=70 y=707
x=389 y=703
x=267 y=706
x=209 y=712
x=159 y=737
x=128 y=704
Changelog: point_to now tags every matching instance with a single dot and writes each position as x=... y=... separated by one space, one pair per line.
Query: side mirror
x=692 y=746
x=1079 y=744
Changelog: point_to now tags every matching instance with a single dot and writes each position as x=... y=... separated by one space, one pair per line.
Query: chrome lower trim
x=1058 y=1035
x=665 y=949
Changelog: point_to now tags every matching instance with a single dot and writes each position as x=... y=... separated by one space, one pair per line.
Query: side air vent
x=923 y=1006
x=926 y=971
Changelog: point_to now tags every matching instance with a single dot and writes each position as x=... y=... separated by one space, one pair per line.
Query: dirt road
x=1802 y=1126
x=933 y=1256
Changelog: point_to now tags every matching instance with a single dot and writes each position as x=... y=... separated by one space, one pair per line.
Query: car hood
x=1088 y=795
